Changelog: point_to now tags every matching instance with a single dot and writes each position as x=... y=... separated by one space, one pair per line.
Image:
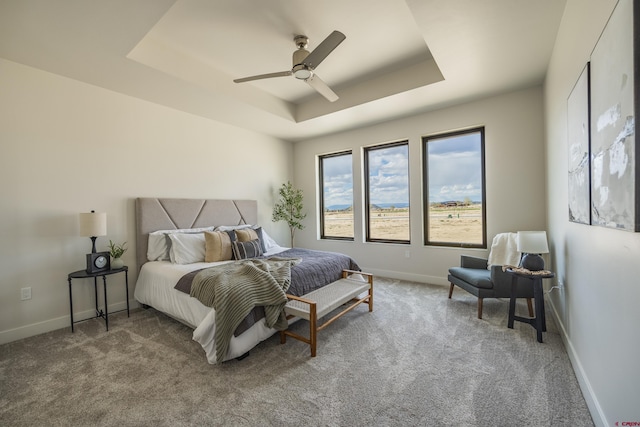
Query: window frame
x=425 y=189
x=323 y=236
x=367 y=197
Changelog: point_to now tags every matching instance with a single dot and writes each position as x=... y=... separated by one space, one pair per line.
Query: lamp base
x=533 y=262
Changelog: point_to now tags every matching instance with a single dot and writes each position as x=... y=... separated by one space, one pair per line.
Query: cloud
x=337 y=180
x=389 y=175
x=454 y=168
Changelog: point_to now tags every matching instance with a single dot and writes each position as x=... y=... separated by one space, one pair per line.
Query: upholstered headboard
x=154 y=214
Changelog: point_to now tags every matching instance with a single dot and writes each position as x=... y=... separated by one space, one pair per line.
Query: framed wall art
x=578 y=138
x=614 y=141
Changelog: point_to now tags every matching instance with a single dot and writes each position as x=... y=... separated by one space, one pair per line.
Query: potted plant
x=289 y=208
x=116 y=252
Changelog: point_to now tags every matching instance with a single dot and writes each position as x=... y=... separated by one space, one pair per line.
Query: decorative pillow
x=244 y=250
x=159 y=243
x=218 y=246
x=248 y=234
x=187 y=248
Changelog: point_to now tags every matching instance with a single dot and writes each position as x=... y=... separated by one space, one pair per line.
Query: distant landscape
x=377 y=205
x=449 y=222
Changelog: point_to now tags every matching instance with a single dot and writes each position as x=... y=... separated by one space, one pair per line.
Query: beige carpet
x=418 y=360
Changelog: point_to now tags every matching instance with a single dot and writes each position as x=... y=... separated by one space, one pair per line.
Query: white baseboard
x=57 y=323
x=598 y=416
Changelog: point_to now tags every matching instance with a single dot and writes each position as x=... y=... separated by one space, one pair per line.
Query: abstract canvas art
x=578 y=134
x=614 y=142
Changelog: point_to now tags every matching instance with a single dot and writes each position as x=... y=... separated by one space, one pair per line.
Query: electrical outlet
x=407 y=254
x=25 y=293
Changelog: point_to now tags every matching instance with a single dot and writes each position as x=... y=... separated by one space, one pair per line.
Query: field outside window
x=455 y=208
x=387 y=192
x=336 y=201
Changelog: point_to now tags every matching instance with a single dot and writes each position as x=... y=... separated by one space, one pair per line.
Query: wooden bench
x=317 y=304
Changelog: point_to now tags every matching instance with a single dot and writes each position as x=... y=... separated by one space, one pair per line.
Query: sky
x=455 y=168
x=338 y=180
x=454 y=173
x=389 y=175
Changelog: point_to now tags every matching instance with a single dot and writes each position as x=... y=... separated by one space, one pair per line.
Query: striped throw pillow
x=244 y=250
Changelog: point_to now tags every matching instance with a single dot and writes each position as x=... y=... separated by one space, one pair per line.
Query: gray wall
x=598 y=307
x=69 y=147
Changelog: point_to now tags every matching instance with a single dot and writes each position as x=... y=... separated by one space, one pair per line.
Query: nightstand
x=82 y=274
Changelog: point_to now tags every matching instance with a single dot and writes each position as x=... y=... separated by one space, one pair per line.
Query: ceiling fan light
x=302 y=72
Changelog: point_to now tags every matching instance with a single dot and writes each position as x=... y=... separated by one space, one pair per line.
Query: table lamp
x=92 y=225
x=531 y=244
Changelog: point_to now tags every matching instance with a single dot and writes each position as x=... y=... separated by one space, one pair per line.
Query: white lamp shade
x=532 y=242
x=93 y=224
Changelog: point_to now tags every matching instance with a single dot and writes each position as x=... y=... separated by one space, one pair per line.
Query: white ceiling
x=400 y=57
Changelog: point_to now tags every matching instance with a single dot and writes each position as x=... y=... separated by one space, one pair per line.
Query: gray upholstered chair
x=474 y=277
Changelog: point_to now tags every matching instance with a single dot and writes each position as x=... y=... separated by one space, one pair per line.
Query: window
x=336 y=196
x=454 y=202
x=387 y=192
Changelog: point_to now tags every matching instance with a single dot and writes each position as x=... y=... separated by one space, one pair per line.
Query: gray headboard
x=154 y=214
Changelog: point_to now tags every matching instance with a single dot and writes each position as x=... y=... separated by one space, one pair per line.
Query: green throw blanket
x=234 y=289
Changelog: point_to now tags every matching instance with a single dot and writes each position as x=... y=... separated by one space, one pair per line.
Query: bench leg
x=479 y=307
x=450 y=291
x=313 y=330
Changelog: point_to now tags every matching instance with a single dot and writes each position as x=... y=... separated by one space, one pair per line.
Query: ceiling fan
x=305 y=63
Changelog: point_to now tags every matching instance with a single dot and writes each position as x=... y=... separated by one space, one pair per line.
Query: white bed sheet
x=155 y=287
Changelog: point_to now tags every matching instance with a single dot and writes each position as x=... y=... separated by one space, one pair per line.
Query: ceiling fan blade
x=324 y=49
x=263 y=76
x=316 y=82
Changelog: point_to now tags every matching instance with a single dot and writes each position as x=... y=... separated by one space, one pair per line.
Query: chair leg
x=530 y=307
x=479 y=308
x=450 y=291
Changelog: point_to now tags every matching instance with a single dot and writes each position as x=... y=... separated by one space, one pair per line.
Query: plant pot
x=117 y=263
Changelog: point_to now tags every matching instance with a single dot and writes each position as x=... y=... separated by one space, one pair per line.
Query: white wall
x=598 y=308
x=514 y=152
x=69 y=147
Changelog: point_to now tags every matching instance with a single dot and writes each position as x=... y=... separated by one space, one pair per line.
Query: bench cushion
x=327 y=298
x=480 y=278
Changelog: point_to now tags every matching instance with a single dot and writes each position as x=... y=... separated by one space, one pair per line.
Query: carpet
x=419 y=359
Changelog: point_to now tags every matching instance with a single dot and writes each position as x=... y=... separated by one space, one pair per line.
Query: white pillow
x=159 y=243
x=269 y=243
x=187 y=248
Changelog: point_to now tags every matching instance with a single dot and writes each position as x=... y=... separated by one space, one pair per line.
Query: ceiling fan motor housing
x=300 y=70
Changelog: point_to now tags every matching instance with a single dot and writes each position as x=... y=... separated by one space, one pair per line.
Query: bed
x=171 y=220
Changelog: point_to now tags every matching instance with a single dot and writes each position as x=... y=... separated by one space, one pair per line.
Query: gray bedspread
x=317 y=269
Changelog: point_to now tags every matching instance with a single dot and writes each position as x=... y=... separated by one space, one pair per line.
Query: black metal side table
x=539 y=322
x=82 y=274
